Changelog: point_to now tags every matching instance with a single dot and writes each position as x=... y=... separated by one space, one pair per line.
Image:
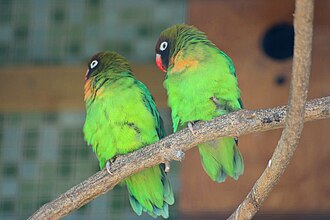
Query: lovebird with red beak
x=201 y=84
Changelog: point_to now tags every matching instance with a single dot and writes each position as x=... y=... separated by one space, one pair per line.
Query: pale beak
x=86 y=75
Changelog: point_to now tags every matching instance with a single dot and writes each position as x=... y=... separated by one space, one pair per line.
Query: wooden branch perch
x=289 y=139
x=172 y=147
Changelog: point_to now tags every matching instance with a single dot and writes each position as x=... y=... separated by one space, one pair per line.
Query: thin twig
x=288 y=142
x=172 y=147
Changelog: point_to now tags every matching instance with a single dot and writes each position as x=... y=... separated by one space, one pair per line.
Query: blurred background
x=44 y=48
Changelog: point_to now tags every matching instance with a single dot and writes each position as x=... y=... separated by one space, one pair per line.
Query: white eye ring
x=163 y=46
x=94 y=64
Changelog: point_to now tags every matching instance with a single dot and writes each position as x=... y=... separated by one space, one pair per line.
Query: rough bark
x=172 y=147
x=303 y=24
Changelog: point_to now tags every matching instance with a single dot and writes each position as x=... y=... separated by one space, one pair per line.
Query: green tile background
x=69 y=32
x=44 y=154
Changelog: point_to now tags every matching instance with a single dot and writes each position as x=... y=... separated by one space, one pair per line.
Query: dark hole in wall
x=278 y=41
x=280 y=79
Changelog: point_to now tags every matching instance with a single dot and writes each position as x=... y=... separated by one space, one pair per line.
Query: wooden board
x=237 y=27
x=53 y=88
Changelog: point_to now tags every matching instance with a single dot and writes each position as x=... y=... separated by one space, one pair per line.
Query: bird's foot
x=167 y=166
x=108 y=165
x=177 y=155
x=190 y=126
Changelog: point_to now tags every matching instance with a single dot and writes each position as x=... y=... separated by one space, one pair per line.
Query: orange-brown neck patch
x=88 y=89
x=92 y=91
x=179 y=63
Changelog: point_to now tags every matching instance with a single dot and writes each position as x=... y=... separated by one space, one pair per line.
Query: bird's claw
x=167 y=166
x=108 y=166
x=190 y=126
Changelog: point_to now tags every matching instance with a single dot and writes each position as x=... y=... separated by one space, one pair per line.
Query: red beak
x=159 y=63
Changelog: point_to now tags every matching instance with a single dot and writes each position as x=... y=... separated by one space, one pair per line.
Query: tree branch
x=234 y=124
x=289 y=139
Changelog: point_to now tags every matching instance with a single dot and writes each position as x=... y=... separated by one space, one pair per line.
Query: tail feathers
x=168 y=194
x=221 y=176
x=239 y=164
x=221 y=158
x=151 y=192
x=136 y=206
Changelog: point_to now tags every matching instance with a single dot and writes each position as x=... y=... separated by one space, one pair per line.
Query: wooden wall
x=54 y=88
x=237 y=27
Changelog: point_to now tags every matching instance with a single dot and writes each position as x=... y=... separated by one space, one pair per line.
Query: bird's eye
x=94 y=64
x=163 y=46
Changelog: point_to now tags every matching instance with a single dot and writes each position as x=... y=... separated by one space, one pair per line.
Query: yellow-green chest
x=117 y=121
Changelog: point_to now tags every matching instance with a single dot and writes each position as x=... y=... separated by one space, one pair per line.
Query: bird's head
x=172 y=40
x=101 y=62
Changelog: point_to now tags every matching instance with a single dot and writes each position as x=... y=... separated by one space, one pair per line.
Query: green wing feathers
x=221 y=158
x=150 y=190
x=150 y=104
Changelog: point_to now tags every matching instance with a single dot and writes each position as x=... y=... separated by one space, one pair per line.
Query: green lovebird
x=201 y=84
x=121 y=116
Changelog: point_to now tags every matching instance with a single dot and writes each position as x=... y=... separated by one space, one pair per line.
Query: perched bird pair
x=121 y=115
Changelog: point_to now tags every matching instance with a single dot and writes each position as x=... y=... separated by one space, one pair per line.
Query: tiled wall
x=44 y=154
x=66 y=32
